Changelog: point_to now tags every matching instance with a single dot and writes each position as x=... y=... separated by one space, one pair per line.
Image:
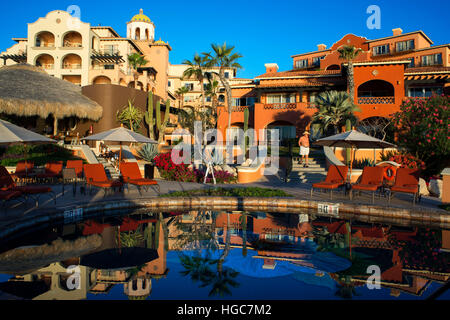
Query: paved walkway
x=299 y=190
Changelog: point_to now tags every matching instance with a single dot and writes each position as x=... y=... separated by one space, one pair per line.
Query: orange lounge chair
x=371 y=180
x=53 y=170
x=406 y=181
x=77 y=165
x=7 y=184
x=23 y=170
x=96 y=177
x=336 y=177
x=132 y=175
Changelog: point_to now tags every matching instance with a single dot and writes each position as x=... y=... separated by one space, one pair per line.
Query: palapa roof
x=26 y=90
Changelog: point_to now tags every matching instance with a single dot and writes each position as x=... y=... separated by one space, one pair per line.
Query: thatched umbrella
x=29 y=91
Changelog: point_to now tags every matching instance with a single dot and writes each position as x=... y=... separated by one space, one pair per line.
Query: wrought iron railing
x=238 y=108
x=376 y=100
x=280 y=106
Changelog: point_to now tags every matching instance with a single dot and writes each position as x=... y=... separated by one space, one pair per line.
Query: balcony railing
x=239 y=108
x=280 y=106
x=376 y=100
x=68 y=44
x=47 y=66
x=71 y=66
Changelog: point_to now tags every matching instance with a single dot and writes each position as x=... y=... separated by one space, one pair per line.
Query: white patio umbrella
x=12 y=134
x=120 y=135
x=354 y=140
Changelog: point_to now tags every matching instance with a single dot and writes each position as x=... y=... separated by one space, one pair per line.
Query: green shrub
x=231 y=192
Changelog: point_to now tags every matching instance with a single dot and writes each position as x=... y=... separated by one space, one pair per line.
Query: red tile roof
x=305 y=83
x=427 y=69
x=298 y=73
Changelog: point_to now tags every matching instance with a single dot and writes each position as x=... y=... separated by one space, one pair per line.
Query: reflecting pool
x=220 y=255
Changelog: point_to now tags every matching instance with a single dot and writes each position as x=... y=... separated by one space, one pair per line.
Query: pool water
x=218 y=255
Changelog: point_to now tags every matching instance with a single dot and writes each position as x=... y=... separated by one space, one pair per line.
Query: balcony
x=376 y=100
x=289 y=106
x=72 y=66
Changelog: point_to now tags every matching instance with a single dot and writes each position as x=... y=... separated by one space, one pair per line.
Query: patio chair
x=371 y=180
x=96 y=177
x=24 y=169
x=53 y=171
x=406 y=181
x=35 y=192
x=335 y=179
x=77 y=165
x=132 y=175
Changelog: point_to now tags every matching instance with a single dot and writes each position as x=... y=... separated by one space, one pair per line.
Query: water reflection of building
x=51 y=282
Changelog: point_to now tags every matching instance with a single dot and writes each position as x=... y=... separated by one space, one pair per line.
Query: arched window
x=376 y=88
x=333 y=67
x=45 y=61
x=71 y=61
x=137 y=34
x=45 y=39
x=72 y=39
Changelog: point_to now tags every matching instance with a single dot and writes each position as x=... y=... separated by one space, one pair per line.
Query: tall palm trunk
x=350 y=80
x=228 y=92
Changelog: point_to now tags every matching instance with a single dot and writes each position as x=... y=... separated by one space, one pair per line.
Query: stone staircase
x=111 y=172
x=315 y=173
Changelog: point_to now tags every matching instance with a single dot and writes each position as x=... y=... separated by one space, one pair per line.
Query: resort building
x=388 y=70
x=70 y=49
x=193 y=98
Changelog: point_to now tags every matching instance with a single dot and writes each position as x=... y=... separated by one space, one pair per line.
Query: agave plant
x=148 y=152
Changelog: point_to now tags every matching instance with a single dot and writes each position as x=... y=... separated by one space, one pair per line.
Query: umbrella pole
x=120 y=153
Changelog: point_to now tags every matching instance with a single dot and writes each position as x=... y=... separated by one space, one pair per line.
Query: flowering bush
x=408 y=161
x=181 y=172
x=424 y=130
x=173 y=172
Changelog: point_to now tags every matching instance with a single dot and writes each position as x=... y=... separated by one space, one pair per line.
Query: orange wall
x=392 y=73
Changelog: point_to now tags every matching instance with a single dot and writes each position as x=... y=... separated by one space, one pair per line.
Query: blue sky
x=262 y=31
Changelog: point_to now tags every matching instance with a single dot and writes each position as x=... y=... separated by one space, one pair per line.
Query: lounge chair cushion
x=106 y=184
x=327 y=185
x=367 y=187
x=142 y=182
x=405 y=189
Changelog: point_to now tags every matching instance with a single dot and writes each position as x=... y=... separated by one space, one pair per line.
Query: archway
x=102 y=80
x=72 y=39
x=137 y=34
x=45 y=39
x=286 y=131
x=139 y=86
x=333 y=67
x=376 y=92
x=71 y=61
x=45 y=61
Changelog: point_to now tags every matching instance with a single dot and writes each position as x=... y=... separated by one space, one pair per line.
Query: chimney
x=397 y=31
x=321 y=47
x=271 y=67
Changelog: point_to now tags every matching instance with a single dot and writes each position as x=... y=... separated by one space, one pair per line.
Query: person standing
x=303 y=142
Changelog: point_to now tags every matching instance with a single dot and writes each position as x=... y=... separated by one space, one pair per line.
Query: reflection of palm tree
x=243 y=220
x=200 y=269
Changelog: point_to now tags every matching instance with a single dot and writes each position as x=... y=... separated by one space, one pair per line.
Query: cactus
x=151 y=121
x=149 y=116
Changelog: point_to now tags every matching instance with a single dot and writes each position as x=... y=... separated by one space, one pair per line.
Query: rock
x=435 y=187
x=423 y=188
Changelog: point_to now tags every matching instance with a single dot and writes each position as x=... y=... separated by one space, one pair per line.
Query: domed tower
x=141 y=28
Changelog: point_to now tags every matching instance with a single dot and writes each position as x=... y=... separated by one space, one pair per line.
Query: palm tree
x=224 y=58
x=196 y=69
x=136 y=61
x=180 y=94
x=211 y=90
x=130 y=116
x=349 y=53
x=335 y=108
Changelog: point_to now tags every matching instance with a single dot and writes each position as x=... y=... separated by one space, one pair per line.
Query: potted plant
x=148 y=153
